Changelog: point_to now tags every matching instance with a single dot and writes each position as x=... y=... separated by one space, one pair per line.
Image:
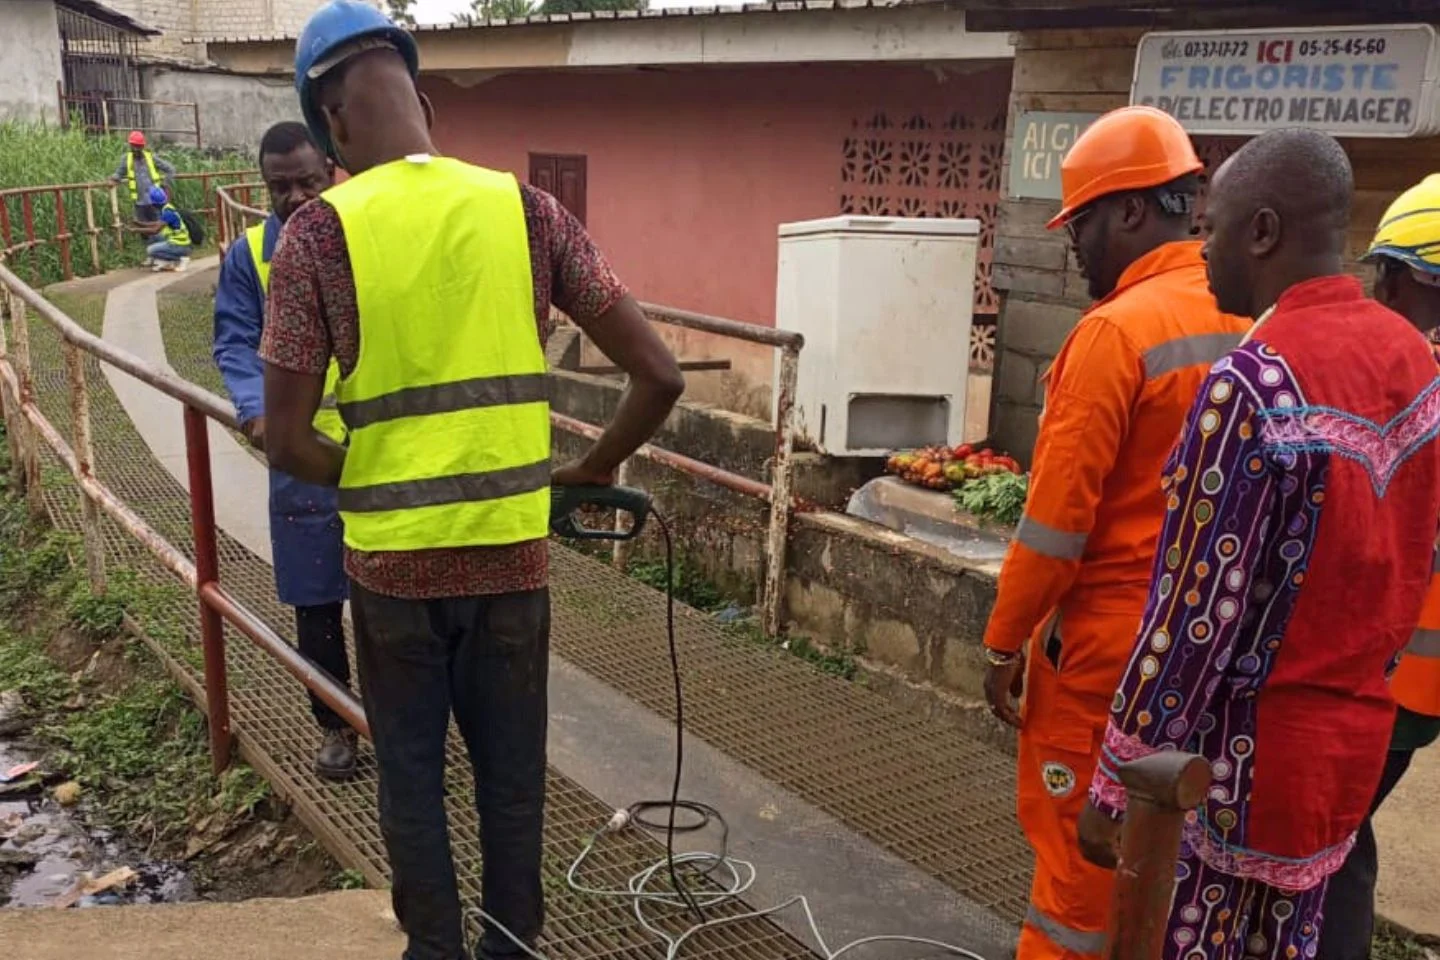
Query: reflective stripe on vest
x=327 y=419
x=180 y=236
x=449 y=423
x=1182 y=352
x=130 y=175
x=1067 y=938
x=1416 y=683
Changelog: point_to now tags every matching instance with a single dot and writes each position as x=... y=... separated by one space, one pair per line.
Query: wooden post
x=91 y=230
x=29 y=442
x=85 y=459
x=1162 y=788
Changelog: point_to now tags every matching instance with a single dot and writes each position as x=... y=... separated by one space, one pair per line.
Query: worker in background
x=168 y=242
x=430 y=281
x=141 y=171
x=1406 y=255
x=305 y=531
x=1074 y=581
x=1296 y=553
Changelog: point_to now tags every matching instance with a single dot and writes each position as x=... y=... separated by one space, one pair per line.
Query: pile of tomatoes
x=945 y=468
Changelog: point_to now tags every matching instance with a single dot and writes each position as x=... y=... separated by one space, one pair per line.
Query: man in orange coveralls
x=1075 y=579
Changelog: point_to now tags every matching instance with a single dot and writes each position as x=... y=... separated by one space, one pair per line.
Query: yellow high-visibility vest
x=447 y=407
x=130 y=174
x=327 y=418
x=180 y=236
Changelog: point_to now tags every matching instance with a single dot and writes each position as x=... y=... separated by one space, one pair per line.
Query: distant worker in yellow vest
x=430 y=281
x=141 y=171
x=1406 y=254
x=305 y=530
x=169 y=241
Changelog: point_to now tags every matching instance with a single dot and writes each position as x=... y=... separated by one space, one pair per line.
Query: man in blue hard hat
x=170 y=242
x=304 y=519
x=430 y=281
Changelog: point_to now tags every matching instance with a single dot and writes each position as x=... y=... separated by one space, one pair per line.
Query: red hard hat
x=137 y=139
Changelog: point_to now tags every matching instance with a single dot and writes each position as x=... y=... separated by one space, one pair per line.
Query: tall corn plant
x=34 y=155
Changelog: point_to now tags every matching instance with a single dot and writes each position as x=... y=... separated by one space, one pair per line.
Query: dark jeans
x=321 y=632
x=1349 y=914
x=486 y=660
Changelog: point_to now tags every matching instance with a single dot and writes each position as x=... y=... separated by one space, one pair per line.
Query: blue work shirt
x=305 y=529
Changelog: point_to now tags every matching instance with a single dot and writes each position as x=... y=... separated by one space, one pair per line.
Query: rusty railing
x=235 y=214
x=99 y=113
x=27 y=428
x=24 y=211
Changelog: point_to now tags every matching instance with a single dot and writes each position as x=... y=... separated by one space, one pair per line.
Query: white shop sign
x=1348 y=81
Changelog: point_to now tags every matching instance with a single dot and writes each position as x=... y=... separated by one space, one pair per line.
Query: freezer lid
x=887 y=226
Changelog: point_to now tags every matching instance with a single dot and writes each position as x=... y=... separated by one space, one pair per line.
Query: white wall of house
x=30 y=52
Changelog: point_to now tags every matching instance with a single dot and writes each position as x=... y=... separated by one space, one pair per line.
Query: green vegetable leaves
x=996 y=496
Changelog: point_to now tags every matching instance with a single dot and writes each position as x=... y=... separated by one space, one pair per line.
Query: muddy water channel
x=49 y=856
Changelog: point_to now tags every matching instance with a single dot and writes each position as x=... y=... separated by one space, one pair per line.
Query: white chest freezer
x=885 y=305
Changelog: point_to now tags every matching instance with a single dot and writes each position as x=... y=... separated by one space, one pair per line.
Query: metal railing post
x=85 y=458
x=207 y=572
x=62 y=236
x=1162 y=788
x=29 y=443
x=115 y=216
x=91 y=230
x=622 y=550
x=772 y=598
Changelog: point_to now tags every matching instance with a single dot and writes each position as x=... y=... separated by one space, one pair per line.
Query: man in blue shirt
x=305 y=529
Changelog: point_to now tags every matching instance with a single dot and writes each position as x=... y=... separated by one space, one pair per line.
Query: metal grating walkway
x=913 y=786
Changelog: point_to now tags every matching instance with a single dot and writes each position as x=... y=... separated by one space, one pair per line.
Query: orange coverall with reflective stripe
x=1416 y=684
x=1076 y=576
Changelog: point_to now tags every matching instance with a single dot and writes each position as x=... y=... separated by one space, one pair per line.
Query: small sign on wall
x=1040 y=142
x=1367 y=81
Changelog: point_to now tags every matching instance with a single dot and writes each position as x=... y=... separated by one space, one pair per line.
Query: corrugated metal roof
x=98 y=11
x=748 y=9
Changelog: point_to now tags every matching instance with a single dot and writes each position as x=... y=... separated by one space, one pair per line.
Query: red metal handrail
x=25 y=420
x=30 y=240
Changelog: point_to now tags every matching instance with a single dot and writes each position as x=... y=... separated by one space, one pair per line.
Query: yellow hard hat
x=1410 y=230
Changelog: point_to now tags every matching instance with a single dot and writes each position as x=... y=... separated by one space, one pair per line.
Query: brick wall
x=180 y=19
x=1089 y=71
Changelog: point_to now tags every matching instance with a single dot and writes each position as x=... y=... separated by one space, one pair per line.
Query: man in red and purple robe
x=1291 y=568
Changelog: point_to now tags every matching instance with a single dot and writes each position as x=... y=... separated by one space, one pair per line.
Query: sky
x=441 y=11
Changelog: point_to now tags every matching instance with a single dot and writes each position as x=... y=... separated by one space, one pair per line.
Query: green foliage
x=996 y=496
x=348 y=880
x=33 y=155
x=401 y=11
x=690 y=585
x=498 y=10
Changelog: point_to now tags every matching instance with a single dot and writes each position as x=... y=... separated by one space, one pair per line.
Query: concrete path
x=613 y=747
x=356 y=925
x=242 y=487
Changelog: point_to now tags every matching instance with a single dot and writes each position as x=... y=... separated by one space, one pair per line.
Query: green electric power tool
x=565 y=501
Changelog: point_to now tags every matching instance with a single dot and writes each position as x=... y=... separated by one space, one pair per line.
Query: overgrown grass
x=140 y=748
x=33 y=155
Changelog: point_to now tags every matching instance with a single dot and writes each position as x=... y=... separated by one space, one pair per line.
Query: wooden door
x=563 y=177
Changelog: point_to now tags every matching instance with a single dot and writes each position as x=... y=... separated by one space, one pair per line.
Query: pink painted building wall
x=690 y=172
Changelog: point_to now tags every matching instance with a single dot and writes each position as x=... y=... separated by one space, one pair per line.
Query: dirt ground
x=356 y=925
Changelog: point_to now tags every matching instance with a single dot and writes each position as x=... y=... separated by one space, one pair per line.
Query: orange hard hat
x=1132 y=148
x=137 y=139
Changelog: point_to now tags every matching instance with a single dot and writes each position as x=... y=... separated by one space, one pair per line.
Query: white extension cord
x=711 y=866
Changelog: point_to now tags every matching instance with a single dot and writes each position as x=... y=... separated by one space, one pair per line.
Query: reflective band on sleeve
x=433 y=491
x=1424 y=643
x=1183 y=352
x=1067 y=938
x=1049 y=541
x=446 y=398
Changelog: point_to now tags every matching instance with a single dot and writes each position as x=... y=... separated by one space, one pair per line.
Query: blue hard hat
x=329 y=38
x=157 y=196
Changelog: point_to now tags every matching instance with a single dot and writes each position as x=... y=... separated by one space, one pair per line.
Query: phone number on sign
x=1241 y=49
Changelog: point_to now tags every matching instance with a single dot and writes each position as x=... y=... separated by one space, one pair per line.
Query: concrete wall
x=183 y=19
x=1089 y=71
x=690 y=172
x=30 y=53
x=235 y=111
x=912 y=614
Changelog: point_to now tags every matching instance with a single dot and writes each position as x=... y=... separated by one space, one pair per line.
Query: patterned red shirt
x=311 y=314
